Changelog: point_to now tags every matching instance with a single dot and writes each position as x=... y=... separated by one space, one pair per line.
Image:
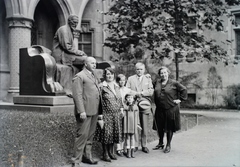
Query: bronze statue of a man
x=66 y=54
x=64 y=50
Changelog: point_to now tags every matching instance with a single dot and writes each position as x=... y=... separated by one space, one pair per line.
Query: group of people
x=116 y=112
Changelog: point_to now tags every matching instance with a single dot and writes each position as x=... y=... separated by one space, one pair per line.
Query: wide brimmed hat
x=144 y=104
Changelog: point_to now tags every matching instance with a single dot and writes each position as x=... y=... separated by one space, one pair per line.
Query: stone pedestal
x=40 y=104
x=43 y=100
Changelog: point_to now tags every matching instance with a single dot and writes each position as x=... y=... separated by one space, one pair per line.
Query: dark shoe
x=132 y=153
x=120 y=153
x=75 y=165
x=159 y=146
x=89 y=161
x=112 y=156
x=74 y=162
x=106 y=158
x=167 y=149
x=128 y=155
x=136 y=149
x=145 y=149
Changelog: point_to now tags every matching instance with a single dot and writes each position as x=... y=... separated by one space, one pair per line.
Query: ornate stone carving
x=19 y=22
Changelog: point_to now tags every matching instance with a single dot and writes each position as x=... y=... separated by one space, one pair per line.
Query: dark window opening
x=85 y=41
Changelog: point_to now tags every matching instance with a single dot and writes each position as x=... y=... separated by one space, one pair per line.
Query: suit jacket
x=145 y=87
x=63 y=46
x=86 y=93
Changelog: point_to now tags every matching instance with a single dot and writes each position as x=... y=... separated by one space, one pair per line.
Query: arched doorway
x=4 y=59
x=46 y=22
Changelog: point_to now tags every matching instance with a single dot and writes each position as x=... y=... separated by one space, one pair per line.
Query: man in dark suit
x=86 y=96
x=143 y=88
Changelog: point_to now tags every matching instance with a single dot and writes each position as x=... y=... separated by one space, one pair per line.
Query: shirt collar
x=140 y=78
x=104 y=83
x=90 y=72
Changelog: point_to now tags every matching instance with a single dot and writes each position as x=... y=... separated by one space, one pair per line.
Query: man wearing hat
x=142 y=86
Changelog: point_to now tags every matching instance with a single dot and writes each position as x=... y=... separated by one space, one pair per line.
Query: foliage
x=201 y=106
x=214 y=84
x=45 y=138
x=191 y=80
x=232 y=97
x=163 y=26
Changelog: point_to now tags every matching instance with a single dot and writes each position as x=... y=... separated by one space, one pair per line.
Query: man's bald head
x=90 y=63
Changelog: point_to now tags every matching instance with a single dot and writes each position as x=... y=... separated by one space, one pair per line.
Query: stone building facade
x=33 y=22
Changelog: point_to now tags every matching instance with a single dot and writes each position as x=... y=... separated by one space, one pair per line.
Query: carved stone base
x=43 y=100
x=40 y=104
x=36 y=108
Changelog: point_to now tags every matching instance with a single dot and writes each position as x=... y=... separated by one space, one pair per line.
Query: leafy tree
x=164 y=26
x=191 y=80
x=214 y=84
x=232 y=97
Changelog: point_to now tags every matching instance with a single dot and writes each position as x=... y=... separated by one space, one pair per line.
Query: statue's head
x=73 y=21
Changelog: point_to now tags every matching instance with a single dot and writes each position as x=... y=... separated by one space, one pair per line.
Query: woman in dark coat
x=168 y=94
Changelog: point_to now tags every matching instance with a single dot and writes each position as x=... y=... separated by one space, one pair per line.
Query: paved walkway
x=214 y=142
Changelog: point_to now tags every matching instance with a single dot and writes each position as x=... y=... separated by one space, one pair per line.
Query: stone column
x=19 y=37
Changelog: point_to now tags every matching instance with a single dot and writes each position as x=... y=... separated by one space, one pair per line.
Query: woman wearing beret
x=168 y=95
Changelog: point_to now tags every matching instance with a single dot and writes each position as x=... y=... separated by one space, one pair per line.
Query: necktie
x=92 y=75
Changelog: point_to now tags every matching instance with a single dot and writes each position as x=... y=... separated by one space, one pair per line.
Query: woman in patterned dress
x=112 y=113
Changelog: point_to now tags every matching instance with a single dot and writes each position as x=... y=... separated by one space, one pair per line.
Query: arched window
x=45 y=24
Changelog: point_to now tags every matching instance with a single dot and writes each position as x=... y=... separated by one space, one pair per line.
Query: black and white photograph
x=128 y=83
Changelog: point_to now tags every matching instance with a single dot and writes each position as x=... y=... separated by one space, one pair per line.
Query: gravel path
x=214 y=142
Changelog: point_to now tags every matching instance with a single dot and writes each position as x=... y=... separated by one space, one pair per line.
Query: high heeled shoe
x=167 y=149
x=159 y=146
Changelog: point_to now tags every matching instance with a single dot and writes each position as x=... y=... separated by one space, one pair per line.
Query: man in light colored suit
x=86 y=96
x=143 y=88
